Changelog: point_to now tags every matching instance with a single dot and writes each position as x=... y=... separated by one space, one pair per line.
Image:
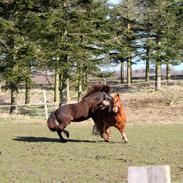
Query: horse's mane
x=97 y=88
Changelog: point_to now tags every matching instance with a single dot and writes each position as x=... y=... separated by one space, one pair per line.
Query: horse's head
x=101 y=99
x=98 y=95
x=97 y=100
x=115 y=103
x=107 y=97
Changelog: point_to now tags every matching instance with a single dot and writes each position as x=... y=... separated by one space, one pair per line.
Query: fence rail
x=31 y=111
x=30 y=104
x=45 y=104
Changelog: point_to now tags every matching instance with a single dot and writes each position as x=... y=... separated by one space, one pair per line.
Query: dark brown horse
x=82 y=110
x=112 y=115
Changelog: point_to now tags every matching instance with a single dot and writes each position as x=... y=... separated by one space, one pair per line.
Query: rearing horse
x=76 y=112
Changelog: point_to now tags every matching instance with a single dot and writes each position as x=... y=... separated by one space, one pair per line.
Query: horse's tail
x=51 y=122
x=95 y=130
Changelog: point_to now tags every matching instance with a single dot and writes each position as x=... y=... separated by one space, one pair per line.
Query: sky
x=114 y=1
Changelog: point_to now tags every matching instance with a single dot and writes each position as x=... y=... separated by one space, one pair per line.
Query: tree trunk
x=63 y=87
x=56 y=87
x=79 y=89
x=168 y=75
x=147 y=77
x=84 y=77
x=158 y=65
x=129 y=63
x=13 y=108
x=122 y=72
x=147 y=70
x=147 y=60
x=129 y=71
x=65 y=73
x=27 y=90
x=158 y=75
x=81 y=80
x=68 y=90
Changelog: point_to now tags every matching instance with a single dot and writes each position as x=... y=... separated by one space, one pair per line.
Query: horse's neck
x=121 y=107
x=93 y=101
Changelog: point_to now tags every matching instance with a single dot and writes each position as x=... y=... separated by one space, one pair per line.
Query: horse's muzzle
x=115 y=109
x=107 y=100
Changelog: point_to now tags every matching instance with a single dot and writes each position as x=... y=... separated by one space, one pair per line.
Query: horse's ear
x=106 y=88
x=117 y=94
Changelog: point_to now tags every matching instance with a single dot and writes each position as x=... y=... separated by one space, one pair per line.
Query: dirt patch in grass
x=154 y=107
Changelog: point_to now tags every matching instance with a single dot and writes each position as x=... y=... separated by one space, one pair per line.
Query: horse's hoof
x=67 y=134
x=106 y=140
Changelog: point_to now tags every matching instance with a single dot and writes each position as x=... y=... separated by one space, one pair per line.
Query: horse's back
x=73 y=112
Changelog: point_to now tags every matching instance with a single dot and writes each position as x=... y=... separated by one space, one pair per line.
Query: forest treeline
x=72 y=38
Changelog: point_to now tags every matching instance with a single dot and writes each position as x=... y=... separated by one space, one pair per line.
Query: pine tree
x=160 y=35
x=19 y=51
x=72 y=32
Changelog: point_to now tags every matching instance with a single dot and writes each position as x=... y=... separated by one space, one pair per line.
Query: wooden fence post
x=104 y=82
x=45 y=104
x=149 y=174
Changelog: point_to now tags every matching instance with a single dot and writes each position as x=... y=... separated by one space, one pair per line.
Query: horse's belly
x=111 y=121
x=108 y=119
x=79 y=119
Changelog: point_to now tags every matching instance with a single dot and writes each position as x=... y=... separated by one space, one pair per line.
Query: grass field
x=29 y=152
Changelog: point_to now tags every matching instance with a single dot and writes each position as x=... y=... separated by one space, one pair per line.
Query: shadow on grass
x=45 y=139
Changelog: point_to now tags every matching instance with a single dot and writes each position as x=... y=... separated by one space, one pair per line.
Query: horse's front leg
x=103 y=132
x=121 y=128
x=124 y=137
x=104 y=135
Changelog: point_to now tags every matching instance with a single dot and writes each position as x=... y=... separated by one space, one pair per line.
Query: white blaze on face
x=115 y=107
x=106 y=102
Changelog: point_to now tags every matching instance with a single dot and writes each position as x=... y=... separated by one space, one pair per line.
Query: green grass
x=29 y=152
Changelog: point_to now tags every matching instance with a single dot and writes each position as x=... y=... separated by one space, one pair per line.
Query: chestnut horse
x=82 y=110
x=106 y=118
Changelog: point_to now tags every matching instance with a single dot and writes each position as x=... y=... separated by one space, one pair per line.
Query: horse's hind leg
x=66 y=133
x=63 y=122
x=60 y=130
